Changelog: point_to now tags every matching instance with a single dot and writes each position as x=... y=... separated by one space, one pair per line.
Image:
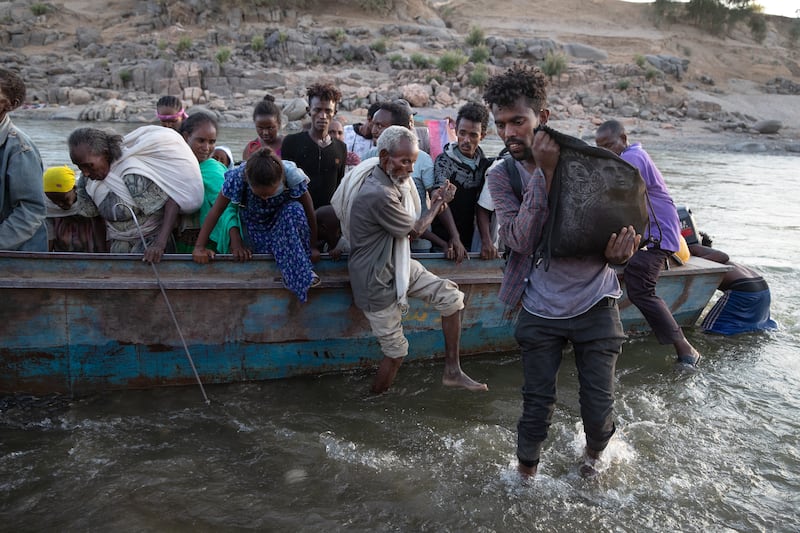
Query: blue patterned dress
x=276 y=226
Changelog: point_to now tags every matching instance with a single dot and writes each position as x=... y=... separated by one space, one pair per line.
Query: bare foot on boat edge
x=463 y=381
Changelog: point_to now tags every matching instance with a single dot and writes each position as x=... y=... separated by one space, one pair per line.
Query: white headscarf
x=402 y=246
x=161 y=155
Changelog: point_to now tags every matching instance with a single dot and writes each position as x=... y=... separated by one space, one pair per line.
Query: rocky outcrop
x=89 y=75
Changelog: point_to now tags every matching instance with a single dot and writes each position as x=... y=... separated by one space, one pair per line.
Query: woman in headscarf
x=138 y=183
x=170 y=112
x=200 y=132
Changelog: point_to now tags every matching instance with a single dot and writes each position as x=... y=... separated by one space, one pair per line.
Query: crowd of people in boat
x=378 y=191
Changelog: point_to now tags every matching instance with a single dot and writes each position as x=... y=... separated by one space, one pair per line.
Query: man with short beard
x=574 y=300
x=322 y=158
x=464 y=165
x=382 y=273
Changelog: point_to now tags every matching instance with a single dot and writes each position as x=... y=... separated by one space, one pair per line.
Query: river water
x=714 y=450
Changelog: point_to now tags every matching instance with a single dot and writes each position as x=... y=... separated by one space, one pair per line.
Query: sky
x=786 y=8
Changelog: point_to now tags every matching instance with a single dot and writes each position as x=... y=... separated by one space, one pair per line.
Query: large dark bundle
x=594 y=193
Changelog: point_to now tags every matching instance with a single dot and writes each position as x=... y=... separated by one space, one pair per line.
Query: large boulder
x=749 y=147
x=295 y=109
x=87 y=36
x=79 y=97
x=768 y=126
x=584 y=51
x=416 y=94
x=105 y=111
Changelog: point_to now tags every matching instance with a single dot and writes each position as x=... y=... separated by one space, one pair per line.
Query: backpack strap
x=514 y=177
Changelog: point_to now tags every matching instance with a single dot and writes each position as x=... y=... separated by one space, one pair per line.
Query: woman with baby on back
x=277 y=218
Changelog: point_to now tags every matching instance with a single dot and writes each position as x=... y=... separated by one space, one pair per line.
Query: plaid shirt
x=520 y=224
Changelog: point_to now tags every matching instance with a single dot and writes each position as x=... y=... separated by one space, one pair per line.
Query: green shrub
x=651 y=73
x=665 y=11
x=337 y=35
x=283 y=37
x=223 y=55
x=622 y=85
x=794 y=32
x=480 y=54
x=379 y=45
x=420 y=60
x=257 y=43
x=476 y=36
x=125 y=76
x=39 y=8
x=395 y=58
x=184 y=44
x=479 y=76
x=639 y=60
x=554 y=64
x=758 y=27
x=450 y=62
x=430 y=77
x=162 y=44
x=376 y=6
x=711 y=15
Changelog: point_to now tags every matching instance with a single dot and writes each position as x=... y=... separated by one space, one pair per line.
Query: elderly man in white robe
x=382 y=216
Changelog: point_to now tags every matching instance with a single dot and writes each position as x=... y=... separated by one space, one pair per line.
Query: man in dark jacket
x=464 y=164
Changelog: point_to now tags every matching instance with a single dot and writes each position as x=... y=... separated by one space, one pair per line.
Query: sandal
x=689 y=360
x=314 y=280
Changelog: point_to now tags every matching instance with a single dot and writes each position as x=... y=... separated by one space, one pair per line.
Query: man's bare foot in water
x=460 y=379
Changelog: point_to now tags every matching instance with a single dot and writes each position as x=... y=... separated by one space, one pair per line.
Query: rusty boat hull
x=83 y=323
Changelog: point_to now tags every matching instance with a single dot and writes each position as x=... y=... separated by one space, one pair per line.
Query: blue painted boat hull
x=82 y=323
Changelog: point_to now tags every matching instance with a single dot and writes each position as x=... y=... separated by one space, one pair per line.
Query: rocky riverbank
x=219 y=58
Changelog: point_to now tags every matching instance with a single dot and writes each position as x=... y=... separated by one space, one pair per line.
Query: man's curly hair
x=324 y=91
x=475 y=112
x=519 y=80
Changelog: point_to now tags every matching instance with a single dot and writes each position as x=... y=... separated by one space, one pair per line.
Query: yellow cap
x=59 y=179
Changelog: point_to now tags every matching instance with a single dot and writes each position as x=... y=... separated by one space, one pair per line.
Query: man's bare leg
x=387 y=370
x=687 y=354
x=453 y=375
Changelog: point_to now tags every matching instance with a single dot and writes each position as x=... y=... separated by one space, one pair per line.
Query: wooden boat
x=81 y=323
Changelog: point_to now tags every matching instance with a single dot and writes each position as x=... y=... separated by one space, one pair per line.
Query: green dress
x=213 y=173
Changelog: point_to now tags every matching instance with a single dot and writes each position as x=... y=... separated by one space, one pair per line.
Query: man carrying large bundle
x=574 y=300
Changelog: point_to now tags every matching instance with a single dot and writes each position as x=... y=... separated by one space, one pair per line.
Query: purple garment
x=663 y=208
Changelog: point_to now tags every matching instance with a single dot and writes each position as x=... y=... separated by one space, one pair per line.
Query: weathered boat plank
x=79 y=323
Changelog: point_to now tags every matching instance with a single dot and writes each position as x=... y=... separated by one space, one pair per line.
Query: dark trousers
x=640 y=277
x=596 y=337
